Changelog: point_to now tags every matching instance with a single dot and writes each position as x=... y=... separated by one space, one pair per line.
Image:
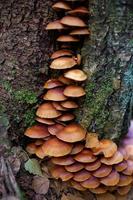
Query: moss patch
x=25 y=96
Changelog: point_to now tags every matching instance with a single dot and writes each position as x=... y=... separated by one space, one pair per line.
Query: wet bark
x=108 y=60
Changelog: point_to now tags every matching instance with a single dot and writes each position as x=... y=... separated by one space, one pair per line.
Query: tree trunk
x=108 y=60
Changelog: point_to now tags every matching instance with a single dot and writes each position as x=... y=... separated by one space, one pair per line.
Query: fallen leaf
x=40 y=184
x=33 y=167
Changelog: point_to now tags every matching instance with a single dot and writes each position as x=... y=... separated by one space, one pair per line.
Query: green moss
x=29 y=117
x=7 y=86
x=25 y=96
x=95 y=103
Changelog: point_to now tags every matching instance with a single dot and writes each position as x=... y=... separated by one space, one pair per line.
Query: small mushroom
x=67 y=38
x=58 y=106
x=129 y=169
x=31 y=148
x=54 y=129
x=112 y=179
x=77 y=186
x=92 y=140
x=121 y=166
x=103 y=171
x=99 y=190
x=82 y=175
x=72 y=133
x=124 y=190
x=55 y=25
x=80 y=32
x=57 y=148
x=74 y=91
x=64 y=80
x=78 y=147
x=76 y=75
x=66 y=160
x=63 y=63
x=79 y=11
x=115 y=159
x=85 y=156
x=61 y=6
x=40 y=152
x=93 y=166
x=66 y=117
x=47 y=110
x=72 y=21
x=69 y=104
x=91 y=183
x=55 y=94
x=52 y=83
x=59 y=172
x=74 y=167
x=37 y=131
x=45 y=121
x=125 y=180
x=61 y=52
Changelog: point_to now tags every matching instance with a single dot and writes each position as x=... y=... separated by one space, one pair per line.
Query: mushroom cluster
x=76 y=156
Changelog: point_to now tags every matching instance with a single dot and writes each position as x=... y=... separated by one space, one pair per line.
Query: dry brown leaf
x=40 y=184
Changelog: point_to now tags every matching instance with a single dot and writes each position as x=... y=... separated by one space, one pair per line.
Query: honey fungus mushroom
x=72 y=21
x=61 y=6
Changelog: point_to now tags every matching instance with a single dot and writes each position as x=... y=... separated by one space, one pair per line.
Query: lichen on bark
x=107 y=59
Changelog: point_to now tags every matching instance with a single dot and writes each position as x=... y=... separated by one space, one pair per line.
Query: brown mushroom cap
x=58 y=106
x=39 y=142
x=45 y=121
x=72 y=21
x=52 y=83
x=106 y=196
x=124 y=190
x=40 y=153
x=78 y=147
x=81 y=10
x=122 y=150
x=54 y=129
x=121 y=166
x=67 y=38
x=59 y=172
x=81 y=175
x=55 y=25
x=59 y=6
x=77 y=186
x=47 y=110
x=64 y=80
x=93 y=166
x=129 y=150
x=37 y=131
x=60 y=53
x=99 y=190
x=76 y=75
x=91 y=183
x=31 y=148
x=72 y=133
x=103 y=171
x=74 y=167
x=65 y=160
x=80 y=31
x=56 y=148
x=125 y=180
x=69 y=104
x=85 y=156
x=112 y=179
x=115 y=159
x=107 y=147
x=66 y=117
x=63 y=63
x=91 y=140
x=55 y=94
x=129 y=169
x=74 y=91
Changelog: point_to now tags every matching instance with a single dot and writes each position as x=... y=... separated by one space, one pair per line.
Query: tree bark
x=108 y=61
